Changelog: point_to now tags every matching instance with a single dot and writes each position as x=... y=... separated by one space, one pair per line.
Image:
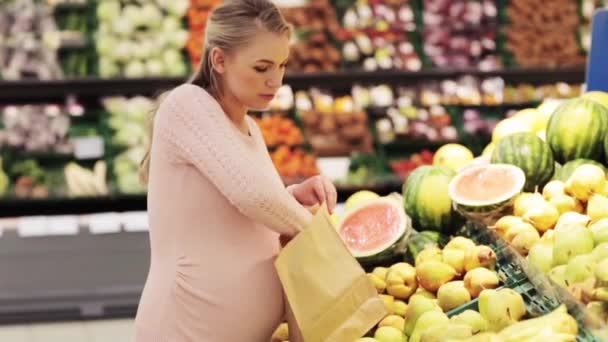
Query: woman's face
x=252 y=74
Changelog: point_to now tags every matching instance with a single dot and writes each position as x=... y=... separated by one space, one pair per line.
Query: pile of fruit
x=136 y=40
x=279 y=130
x=432 y=301
x=563 y=232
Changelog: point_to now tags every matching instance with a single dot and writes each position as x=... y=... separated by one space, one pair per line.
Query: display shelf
x=34 y=288
x=36 y=90
x=14 y=207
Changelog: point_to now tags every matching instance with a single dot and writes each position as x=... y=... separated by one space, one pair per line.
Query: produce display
x=128 y=119
x=136 y=40
x=279 y=130
x=75 y=38
x=294 y=164
x=198 y=13
x=377 y=36
x=333 y=126
x=534 y=21
x=315 y=26
x=38 y=128
x=403 y=167
x=461 y=34
x=84 y=182
x=29 y=39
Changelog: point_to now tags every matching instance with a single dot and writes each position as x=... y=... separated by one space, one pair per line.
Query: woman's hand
x=315 y=191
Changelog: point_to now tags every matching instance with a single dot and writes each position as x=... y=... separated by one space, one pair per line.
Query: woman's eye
x=261 y=69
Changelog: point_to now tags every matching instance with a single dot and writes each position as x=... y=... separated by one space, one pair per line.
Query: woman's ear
x=218 y=60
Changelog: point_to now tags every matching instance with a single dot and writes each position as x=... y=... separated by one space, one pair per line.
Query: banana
x=100 y=170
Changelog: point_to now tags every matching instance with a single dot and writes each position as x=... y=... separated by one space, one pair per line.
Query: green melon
x=376 y=231
x=529 y=153
x=577 y=129
x=427 y=200
x=484 y=193
x=564 y=172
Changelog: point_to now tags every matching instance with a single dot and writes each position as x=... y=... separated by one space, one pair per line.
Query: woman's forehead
x=267 y=46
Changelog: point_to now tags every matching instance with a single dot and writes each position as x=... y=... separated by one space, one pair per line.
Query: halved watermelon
x=376 y=231
x=483 y=193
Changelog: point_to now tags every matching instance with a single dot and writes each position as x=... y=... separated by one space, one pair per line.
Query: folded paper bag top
x=327 y=290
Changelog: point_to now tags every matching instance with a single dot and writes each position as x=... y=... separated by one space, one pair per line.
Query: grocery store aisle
x=119 y=330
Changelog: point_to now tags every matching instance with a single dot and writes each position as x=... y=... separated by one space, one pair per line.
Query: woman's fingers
x=330 y=193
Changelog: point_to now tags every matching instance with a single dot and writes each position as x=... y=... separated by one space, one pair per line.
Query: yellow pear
x=586 y=180
x=564 y=203
x=542 y=217
x=597 y=207
x=553 y=188
x=478 y=279
x=393 y=321
x=379 y=284
x=479 y=256
x=399 y=308
x=526 y=201
x=505 y=223
x=433 y=274
x=570 y=218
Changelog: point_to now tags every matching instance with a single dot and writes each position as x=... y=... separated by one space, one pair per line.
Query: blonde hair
x=231 y=25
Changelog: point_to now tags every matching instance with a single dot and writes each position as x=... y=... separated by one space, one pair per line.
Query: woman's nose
x=274 y=82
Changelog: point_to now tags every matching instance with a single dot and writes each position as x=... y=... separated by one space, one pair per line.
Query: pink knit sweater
x=216 y=207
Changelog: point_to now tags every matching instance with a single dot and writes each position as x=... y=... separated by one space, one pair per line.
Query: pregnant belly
x=227 y=300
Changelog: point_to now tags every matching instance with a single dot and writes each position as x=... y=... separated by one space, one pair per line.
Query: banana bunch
x=4 y=181
x=84 y=182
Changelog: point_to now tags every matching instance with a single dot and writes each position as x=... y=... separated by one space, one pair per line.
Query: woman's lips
x=267 y=97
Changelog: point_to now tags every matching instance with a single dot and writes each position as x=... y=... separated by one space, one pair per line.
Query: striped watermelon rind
x=396 y=247
x=528 y=152
x=565 y=171
x=486 y=211
x=427 y=201
x=577 y=129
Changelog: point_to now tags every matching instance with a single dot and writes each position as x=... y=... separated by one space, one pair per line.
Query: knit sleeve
x=196 y=127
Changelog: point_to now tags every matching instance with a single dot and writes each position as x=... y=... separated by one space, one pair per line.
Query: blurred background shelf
x=36 y=90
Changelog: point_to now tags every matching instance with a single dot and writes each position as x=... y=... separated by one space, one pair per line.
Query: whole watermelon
x=577 y=129
x=528 y=152
x=427 y=201
x=564 y=172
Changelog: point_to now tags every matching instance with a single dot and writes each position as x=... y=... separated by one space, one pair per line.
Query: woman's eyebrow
x=269 y=61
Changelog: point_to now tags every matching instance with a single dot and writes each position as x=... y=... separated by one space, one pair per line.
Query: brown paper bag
x=328 y=292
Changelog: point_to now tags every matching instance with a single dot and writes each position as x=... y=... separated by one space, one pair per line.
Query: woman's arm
x=191 y=121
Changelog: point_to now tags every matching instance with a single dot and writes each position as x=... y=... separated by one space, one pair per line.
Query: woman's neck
x=235 y=111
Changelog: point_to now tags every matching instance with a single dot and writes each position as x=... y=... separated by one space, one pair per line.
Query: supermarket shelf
x=35 y=90
x=121 y=203
x=43 y=279
x=61 y=206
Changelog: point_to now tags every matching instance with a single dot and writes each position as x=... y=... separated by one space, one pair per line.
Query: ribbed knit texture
x=216 y=207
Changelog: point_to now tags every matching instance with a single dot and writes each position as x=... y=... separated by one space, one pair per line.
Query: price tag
x=88 y=147
x=104 y=223
x=135 y=221
x=62 y=225
x=29 y=226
